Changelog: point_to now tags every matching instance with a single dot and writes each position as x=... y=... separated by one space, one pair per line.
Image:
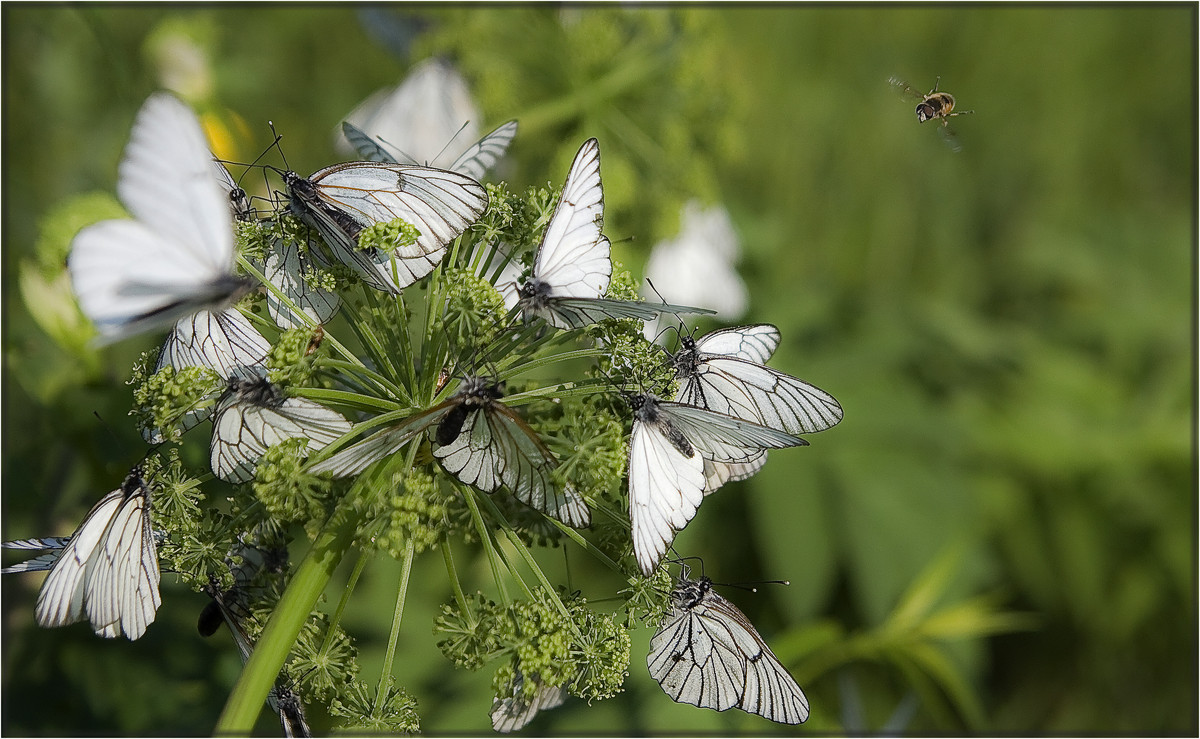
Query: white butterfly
x=474 y=162
x=480 y=441
x=723 y=372
x=513 y=711
x=107 y=571
x=707 y=653
x=285 y=268
x=253 y=415
x=177 y=256
x=573 y=267
x=420 y=114
x=341 y=200
x=667 y=452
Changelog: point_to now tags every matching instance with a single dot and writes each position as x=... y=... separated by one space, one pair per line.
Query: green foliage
x=388 y=237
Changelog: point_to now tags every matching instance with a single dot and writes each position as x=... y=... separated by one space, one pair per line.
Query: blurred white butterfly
x=667 y=451
x=107 y=571
x=341 y=200
x=254 y=415
x=723 y=371
x=420 y=114
x=573 y=266
x=474 y=162
x=514 y=711
x=707 y=653
x=698 y=264
x=480 y=441
x=176 y=258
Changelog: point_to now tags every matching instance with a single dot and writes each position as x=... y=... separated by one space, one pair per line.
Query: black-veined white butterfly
x=474 y=162
x=480 y=441
x=254 y=415
x=667 y=451
x=107 y=571
x=514 y=711
x=285 y=268
x=573 y=266
x=341 y=200
x=282 y=699
x=707 y=653
x=239 y=202
x=177 y=256
x=723 y=371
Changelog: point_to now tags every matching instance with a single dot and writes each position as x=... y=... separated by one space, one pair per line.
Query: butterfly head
x=535 y=295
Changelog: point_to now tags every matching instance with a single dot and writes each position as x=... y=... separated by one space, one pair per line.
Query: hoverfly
x=934 y=105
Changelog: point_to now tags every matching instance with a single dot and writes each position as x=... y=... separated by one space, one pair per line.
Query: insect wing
x=707 y=653
x=578 y=312
x=724 y=438
x=496 y=447
x=177 y=257
x=440 y=204
x=665 y=489
x=244 y=429
x=366 y=145
x=223 y=341
x=285 y=269
x=760 y=394
x=750 y=343
x=239 y=203
x=573 y=257
x=42 y=561
x=483 y=154
x=513 y=712
x=717 y=474
x=108 y=569
x=357 y=457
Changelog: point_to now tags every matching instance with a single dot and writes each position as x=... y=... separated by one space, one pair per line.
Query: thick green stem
x=246 y=700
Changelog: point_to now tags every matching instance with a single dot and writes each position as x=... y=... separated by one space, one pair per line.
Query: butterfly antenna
x=451 y=141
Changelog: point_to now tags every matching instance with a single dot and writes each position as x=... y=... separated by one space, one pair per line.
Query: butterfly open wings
x=340 y=201
x=707 y=653
x=474 y=162
x=176 y=257
x=480 y=441
x=573 y=266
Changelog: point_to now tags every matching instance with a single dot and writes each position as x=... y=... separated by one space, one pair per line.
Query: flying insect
x=934 y=105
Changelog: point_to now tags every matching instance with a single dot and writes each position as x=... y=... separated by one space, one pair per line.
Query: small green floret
x=388 y=237
x=286 y=490
x=323 y=662
x=291 y=361
x=600 y=654
x=171 y=399
x=362 y=711
x=473 y=313
x=469 y=638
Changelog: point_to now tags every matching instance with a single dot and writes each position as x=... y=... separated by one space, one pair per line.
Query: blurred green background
x=999 y=538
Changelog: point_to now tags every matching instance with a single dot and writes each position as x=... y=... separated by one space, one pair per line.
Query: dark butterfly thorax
x=475 y=394
x=690 y=593
x=686 y=361
x=305 y=200
x=645 y=409
x=536 y=294
x=258 y=391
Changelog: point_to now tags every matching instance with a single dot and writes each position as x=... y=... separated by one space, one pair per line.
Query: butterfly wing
x=177 y=257
x=440 y=204
x=42 y=561
x=573 y=257
x=223 y=341
x=496 y=447
x=708 y=654
x=514 y=711
x=285 y=269
x=244 y=430
x=483 y=154
x=123 y=575
x=724 y=438
x=717 y=474
x=357 y=457
x=750 y=343
x=366 y=145
x=666 y=486
x=751 y=391
x=60 y=600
